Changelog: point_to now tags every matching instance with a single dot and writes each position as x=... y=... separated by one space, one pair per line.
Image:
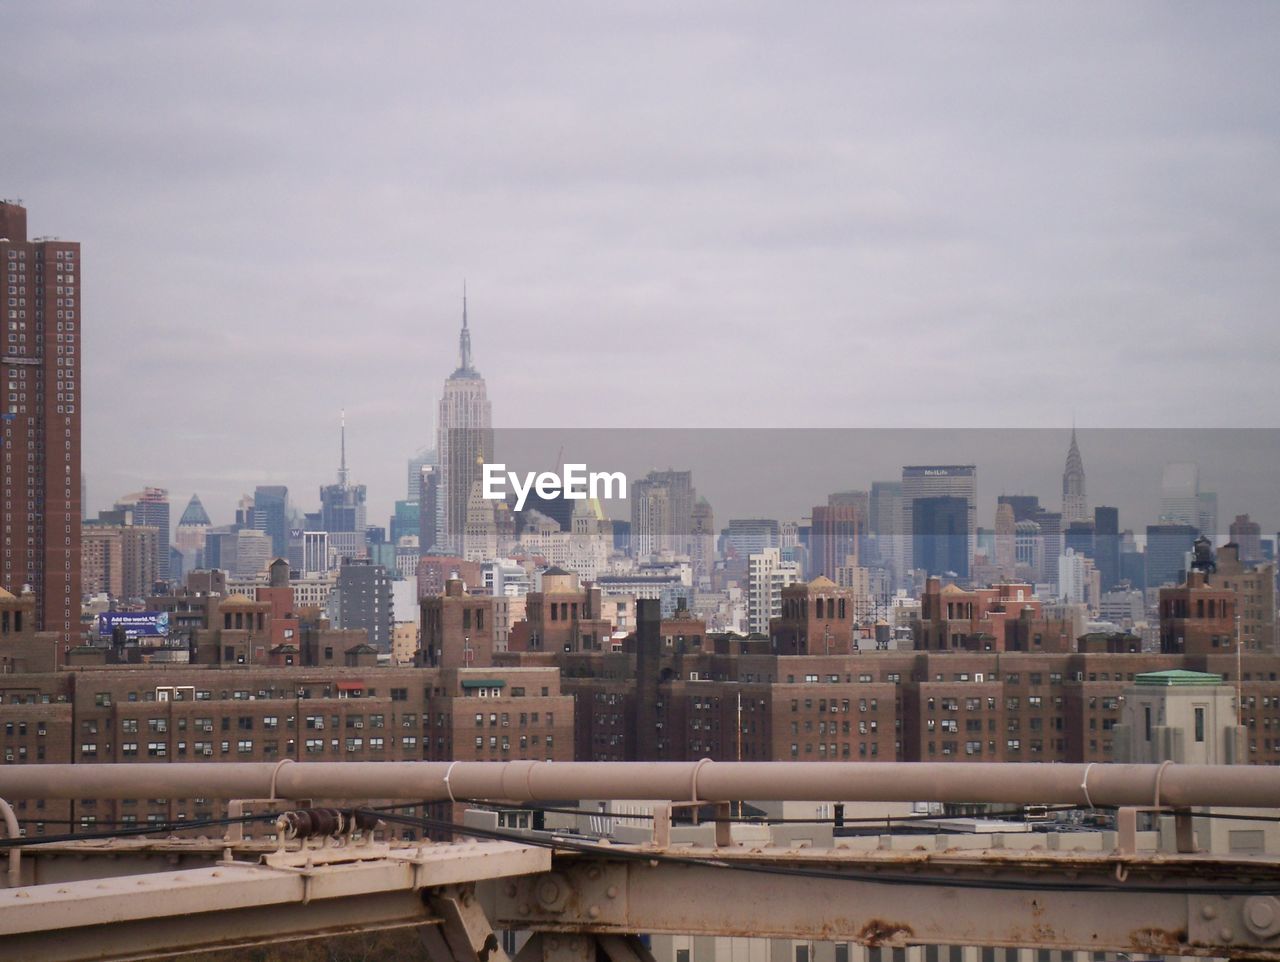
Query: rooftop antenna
x=342 y=464
x=1239 y=669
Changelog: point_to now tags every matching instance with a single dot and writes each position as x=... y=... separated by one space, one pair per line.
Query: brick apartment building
x=1196 y=617
x=817 y=618
x=240 y=700
x=672 y=692
x=887 y=706
x=727 y=698
x=151 y=713
x=458 y=629
x=564 y=616
x=1003 y=617
x=40 y=422
x=1255 y=587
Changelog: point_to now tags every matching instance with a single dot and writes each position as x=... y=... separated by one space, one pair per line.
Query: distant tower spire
x=1075 y=505
x=342 y=464
x=464 y=338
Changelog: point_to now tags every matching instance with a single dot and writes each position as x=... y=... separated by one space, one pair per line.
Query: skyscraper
x=940 y=536
x=662 y=514
x=429 y=509
x=271 y=515
x=40 y=423
x=1207 y=514
x=1106 y=545
x=1050 y=523
x=362 y=598
x=1075 y=505
x=464 y=440
x=411 y=508
x=1248 y=535
x=1025 y=506
x=834 y=539
x=938 y=481
x=748 y=536
x=120 y=560
x=1180 y=494
x=1168 y=545
x=150 y=508
x=342 y=508
x=884 y=508
x=767 y=575
x=413 y=486
x=1006 y=533
x=407 y=520
x=189 y=536
x=1080 y=538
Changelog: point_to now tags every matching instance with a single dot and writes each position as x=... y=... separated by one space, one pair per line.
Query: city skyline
x=1125 y=467
x=1067 y=222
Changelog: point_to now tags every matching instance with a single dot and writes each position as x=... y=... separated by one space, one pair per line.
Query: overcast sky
x=749 y=215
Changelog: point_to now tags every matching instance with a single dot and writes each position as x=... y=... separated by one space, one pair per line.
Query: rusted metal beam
x=1163 y=785
x=594 y=896
x=466 y=929
x=558 y=948
x=163 y=938
x=294 y=895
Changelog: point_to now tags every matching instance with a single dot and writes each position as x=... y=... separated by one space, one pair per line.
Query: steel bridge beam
x=1165 y=785
x=293 y=895
x=583 y=901
x=910 y=898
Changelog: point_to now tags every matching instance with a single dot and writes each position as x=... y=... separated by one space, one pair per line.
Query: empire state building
x=464 y=441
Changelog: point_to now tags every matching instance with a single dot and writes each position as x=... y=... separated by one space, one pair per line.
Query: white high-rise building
x=253 y=553
x=315 y=554
x=767 y=575
x=505 y=578
x=464 y=440
x=1078 y=580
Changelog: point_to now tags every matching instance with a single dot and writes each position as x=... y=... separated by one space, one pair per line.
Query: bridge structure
x=324 y=872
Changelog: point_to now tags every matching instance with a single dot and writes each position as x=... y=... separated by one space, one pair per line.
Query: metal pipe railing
x=1246 y=786
x=15 y=854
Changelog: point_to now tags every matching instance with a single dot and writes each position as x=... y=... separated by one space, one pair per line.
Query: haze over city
x=960 y=216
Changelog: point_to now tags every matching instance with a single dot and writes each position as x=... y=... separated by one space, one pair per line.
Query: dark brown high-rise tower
x=40 y=422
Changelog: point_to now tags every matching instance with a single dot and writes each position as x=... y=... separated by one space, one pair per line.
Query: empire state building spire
x=464 y=340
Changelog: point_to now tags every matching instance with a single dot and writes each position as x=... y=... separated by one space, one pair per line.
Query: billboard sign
x=136 y=624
